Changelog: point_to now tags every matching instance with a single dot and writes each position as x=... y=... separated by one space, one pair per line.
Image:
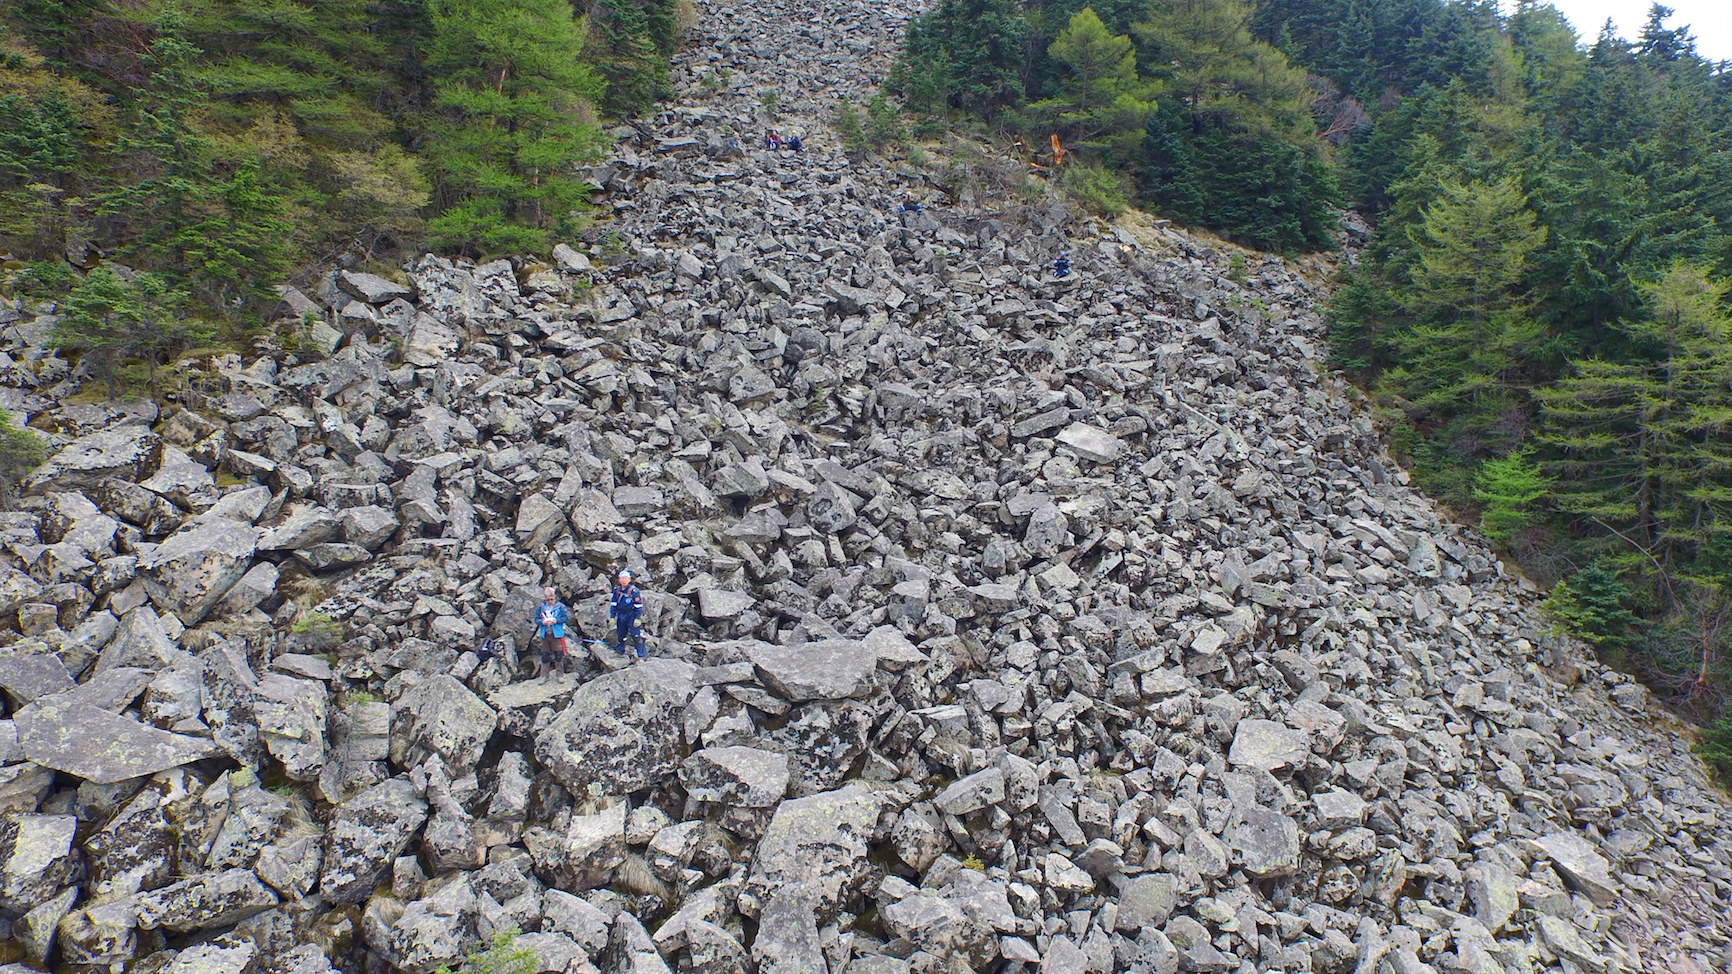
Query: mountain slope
x=1000 y=621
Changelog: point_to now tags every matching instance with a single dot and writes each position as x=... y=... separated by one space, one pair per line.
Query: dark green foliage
x=109 y=320
x=965 y=54
x=224 y=143
x=1716 y=747
x=511 y=123
x=20 y=452
x=635 y=39
x=1593 y=604
x=1546 y=276
x=1508 y=489
x=1359 y=313
x=1258 y=190
x=1214 y=126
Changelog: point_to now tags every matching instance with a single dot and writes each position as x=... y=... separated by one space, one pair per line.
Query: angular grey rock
x=972 y=793
x=744 y=776
x=1581 y=865
x=37 y=858
x=817 y=846
x=444 y=717
x=88 y=742
x=828 y=669
x=291 y=719
x=119 y=451
x=1267 y=745
x=366 y=833
x=722 y=604
x=830 y=509
x=369 y=526
x=1264 y=843
x=216 y=899
x=621 y=732
x=190 y=572
x=371 y=288
x=1092 y=443
x=1145 y=902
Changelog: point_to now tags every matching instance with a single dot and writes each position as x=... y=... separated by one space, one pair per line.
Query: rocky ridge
x=1000 y=623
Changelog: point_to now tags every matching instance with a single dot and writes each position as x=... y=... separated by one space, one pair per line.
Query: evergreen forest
x=210 y=148
x=1540 y=315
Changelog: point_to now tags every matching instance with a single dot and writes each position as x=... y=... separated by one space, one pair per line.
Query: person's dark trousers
x=626 y=627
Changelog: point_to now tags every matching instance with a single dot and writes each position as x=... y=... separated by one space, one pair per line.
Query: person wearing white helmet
x=625 y=607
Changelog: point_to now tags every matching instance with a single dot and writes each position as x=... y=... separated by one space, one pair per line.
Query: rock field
x=1000 y=623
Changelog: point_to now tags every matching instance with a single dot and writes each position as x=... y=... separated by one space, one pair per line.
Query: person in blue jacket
x=550 y=619
x=625 y=607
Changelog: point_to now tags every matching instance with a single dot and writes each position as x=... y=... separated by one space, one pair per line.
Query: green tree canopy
x=514 y=122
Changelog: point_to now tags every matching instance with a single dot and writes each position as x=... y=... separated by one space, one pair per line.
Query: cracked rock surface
x=997 y=622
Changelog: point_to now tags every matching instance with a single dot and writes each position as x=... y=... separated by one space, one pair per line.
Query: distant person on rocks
x=796 y=143
x=1061 y=266
x=909 y=207
x=625 y=607
x=773 y=140
x=551 y=617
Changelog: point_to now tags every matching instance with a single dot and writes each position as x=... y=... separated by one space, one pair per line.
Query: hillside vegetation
x=220 y=144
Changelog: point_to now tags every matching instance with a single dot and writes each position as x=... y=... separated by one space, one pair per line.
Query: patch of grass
x=500 y=956
x=972 y=861
x=310 y=622
x=357 y=698
x=1100 y=191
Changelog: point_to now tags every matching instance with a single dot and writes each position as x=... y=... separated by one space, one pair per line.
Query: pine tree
x=1238 y=149
x=1641 y=448
x=513 y=93
x=965 y=54
x=110 y=320
x=1469 y=349
x=1508 y=488
x=1102 y=103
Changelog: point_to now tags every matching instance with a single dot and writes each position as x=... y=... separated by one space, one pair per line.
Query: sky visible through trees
x=1709 y=20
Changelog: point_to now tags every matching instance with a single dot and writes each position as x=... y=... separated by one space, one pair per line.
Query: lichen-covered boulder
x=367 y=832
x=621 y=732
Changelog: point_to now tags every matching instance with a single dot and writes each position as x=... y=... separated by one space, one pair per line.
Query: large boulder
x=189 y=573
x=36 y=858
x=207 y=900
x=89 y=742
x=621 y=732
x=444 y=717
x=816 y=845
x=828 y=669
x=291 y=718
x=367 y=833
x=119 y=451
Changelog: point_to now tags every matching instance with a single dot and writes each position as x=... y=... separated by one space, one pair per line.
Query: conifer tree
x=109 y=320
x=965 y=54
x=1641 y=448
x=1472 y=340
x=1102 y=102
x=513 y=93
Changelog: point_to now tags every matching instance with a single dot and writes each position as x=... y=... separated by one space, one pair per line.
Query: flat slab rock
x=1267 y=745
x=1582 y=865
x=90 y=743
x=828 y=669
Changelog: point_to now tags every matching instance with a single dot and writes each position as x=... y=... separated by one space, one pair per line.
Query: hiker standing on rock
x=550 y=619
x=624 y=607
